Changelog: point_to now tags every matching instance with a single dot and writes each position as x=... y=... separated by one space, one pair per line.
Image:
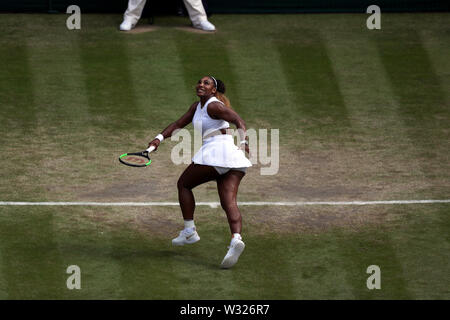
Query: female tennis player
x=218 y=159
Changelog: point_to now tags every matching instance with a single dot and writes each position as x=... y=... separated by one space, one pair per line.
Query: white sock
x=237 y=236
x=189 y=224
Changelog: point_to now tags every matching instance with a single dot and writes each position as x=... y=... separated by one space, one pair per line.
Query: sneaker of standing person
x=205 y=25
x=127 y=25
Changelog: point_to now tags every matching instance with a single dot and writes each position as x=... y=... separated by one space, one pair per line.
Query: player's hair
x=220 y=93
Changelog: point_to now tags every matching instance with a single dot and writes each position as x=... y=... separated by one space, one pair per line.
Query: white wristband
x=160 y=137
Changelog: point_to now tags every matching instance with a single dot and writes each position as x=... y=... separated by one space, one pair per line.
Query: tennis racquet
x=137 y=159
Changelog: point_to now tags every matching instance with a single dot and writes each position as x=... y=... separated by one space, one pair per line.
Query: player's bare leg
x=193 y=176
x=228 y=185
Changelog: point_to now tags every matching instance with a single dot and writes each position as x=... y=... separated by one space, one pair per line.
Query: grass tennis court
x=363 y=115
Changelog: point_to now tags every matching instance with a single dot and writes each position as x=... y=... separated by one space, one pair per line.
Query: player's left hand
x=244 y=147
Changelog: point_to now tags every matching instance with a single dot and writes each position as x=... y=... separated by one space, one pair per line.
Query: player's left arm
x=217 y=110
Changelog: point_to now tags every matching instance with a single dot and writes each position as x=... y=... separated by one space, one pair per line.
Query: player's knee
x=181 y=184
x=229 y=205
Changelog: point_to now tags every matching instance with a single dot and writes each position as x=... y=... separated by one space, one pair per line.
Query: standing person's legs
x=132 y=14
x=198 y=15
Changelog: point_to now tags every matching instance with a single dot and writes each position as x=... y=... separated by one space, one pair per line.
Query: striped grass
x=363 y=115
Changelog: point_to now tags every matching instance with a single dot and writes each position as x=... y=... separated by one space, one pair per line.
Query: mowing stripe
x=374 y=111
x=311 y=57
x=217 y=204
x=105 y=66
x=3 y=280
x=18 y=110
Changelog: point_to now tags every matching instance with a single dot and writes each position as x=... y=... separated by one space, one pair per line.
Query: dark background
x=231 y=6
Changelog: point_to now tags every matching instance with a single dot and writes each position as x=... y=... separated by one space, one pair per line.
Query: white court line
x=217 y=204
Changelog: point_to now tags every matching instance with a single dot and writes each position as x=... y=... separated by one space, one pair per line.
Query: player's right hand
x=155 y=143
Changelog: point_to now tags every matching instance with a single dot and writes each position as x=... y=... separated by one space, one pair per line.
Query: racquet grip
x=150 y=149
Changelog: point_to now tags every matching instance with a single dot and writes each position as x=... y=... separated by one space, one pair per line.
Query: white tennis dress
x=217 y=150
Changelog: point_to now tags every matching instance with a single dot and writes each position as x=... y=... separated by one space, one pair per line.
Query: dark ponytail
x=220 y=93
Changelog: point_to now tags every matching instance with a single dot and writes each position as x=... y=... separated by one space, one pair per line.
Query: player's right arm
x=184 y=120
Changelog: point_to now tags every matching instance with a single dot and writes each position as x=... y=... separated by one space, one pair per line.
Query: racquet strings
x=136 y=160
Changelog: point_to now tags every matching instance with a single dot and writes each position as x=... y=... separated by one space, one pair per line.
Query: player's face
x=205 y=87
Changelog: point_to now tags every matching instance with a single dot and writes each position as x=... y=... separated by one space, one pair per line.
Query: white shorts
x=223 y=170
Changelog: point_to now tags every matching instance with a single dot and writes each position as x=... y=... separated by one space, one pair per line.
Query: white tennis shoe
x=234 y=251
x=187 y=236
x=205 y=26
x=126 y=25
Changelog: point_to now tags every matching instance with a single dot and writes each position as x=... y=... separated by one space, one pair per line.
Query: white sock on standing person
x=189 y=224
x=236 y=236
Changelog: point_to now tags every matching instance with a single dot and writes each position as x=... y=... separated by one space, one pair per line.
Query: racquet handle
x=150 y=149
